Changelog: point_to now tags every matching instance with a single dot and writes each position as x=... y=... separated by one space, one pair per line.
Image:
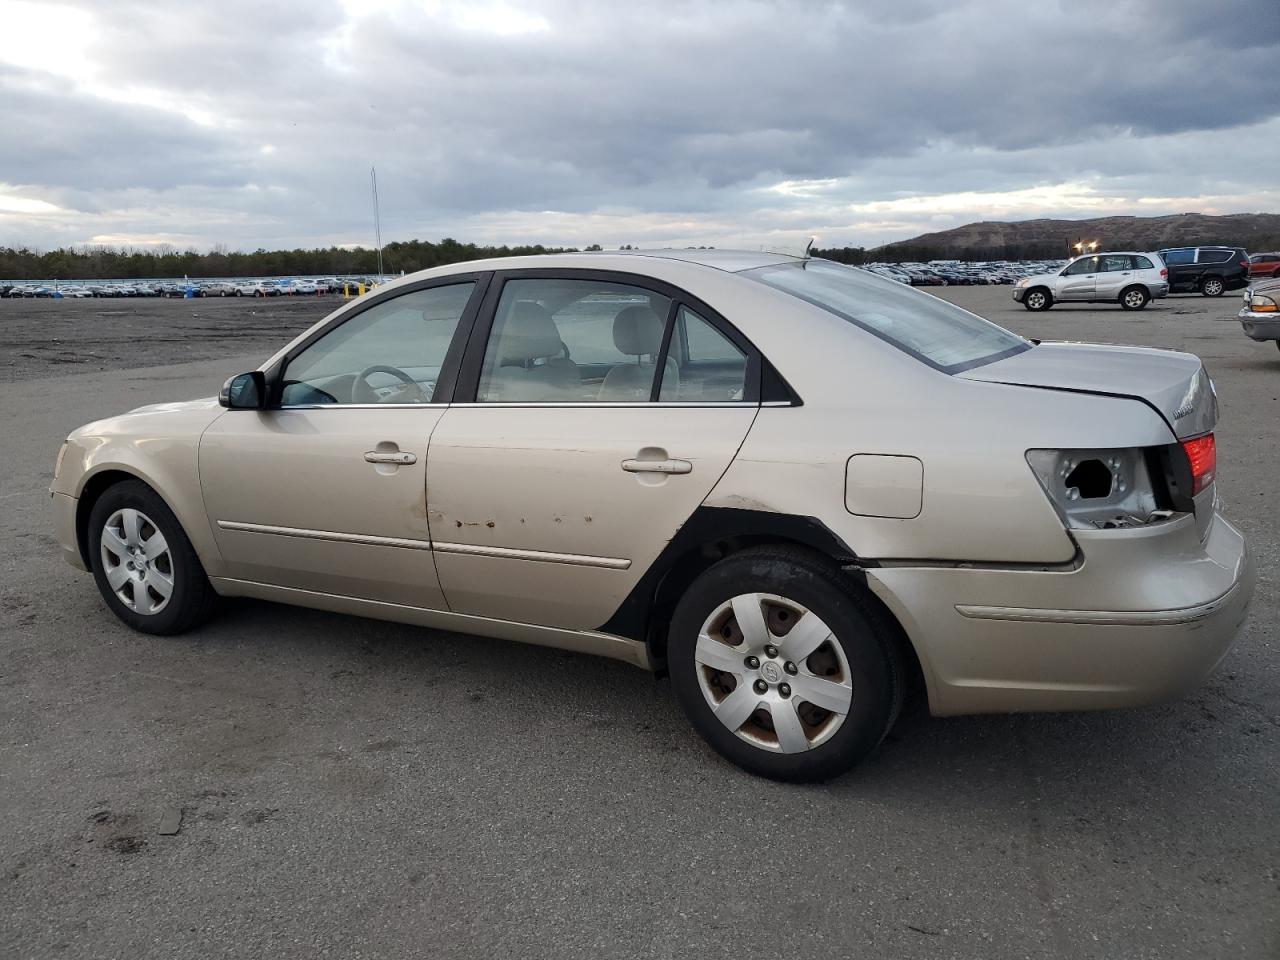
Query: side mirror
x=246 y=391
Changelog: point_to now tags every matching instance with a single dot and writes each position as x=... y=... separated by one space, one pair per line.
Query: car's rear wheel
x=1037 y=298
x=1134 y=298
x=1276 y=274
x=1212 y=287
x=143 y=563
x=783 y=667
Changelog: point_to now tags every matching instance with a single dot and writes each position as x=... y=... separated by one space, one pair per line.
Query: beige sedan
x=798 y=488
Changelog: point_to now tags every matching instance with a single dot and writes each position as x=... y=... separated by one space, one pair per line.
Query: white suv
x=1130 y=279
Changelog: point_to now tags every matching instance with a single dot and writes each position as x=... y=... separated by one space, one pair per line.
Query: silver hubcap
x=137 y=562
x=773 y=673
x=1213 y=288
x=1036 y=300
x=1133 y=298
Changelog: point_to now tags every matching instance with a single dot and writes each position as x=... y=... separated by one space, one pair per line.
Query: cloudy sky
x=252 y=124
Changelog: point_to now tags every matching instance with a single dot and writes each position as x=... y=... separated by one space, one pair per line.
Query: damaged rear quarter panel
x=981 y=501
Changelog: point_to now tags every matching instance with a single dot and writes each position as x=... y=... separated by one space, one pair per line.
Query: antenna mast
x=377 y=220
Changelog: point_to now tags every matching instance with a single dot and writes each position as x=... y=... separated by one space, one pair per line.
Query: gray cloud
x=656 y=122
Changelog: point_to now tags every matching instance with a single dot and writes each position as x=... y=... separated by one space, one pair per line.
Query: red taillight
x=1202 y=455
x=1164 y=271
x=1244 y=264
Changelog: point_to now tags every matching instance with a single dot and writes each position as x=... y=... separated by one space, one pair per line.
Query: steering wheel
x=363 y=392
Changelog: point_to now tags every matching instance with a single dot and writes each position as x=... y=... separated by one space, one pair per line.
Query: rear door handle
x=657 y=466
x=400 y=459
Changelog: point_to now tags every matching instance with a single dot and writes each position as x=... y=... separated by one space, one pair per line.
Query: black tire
x=859 y=627
x=1134 y=298
x=1037 y=298
x=238 y=293
x=1276 y=274
x=192 y=600
x=1212 y=286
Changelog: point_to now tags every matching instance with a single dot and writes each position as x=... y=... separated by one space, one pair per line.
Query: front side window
x=566 y=341
x=927 y=327
x=390 y=353
x=1083 y=266
x=1184 y=255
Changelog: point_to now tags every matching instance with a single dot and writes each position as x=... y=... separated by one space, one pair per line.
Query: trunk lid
x=1174 y=384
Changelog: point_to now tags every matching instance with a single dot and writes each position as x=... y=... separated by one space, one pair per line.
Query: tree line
x=115 y=263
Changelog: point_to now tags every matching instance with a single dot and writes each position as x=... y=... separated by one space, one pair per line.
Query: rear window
x=1209 y=255
x=930 y=329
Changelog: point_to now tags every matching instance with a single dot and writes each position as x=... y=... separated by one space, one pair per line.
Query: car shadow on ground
x=618 y=709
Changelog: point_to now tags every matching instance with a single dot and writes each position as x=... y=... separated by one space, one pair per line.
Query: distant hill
x=1031 y=239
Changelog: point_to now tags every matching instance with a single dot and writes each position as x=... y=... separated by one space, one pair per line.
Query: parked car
x=1130 y=279
x=218 y=288
x=792 y=485
x=256 y=288
x=1209 y=270
x=1264 y=265
x=1260 y=314
x=76 y=293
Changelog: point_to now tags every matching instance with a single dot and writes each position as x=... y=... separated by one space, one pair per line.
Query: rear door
x=580 y=441
x=1115 y=272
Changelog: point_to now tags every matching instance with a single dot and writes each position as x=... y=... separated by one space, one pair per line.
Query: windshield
x=925 y=326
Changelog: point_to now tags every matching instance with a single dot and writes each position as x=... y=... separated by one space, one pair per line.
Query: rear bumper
x=1143 y=617
x=1260 y=326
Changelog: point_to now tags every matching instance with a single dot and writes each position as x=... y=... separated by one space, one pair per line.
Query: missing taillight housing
x=1202 y=458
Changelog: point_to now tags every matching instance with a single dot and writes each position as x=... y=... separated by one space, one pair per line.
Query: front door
x=327 y=491
x=602 y=415
x=1078 y=279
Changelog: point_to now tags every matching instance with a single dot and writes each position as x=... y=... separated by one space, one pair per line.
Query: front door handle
x=399 y=459
x=657 y=466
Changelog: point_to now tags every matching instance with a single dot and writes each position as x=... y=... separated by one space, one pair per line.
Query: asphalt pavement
x=351 y=788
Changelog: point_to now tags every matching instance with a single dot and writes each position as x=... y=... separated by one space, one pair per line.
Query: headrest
x=637 y=330
x=529 y=333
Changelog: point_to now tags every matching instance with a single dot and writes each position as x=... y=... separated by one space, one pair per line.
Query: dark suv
x=1211 y=270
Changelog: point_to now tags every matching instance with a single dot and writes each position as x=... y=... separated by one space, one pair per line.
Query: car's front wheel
x=1212 y=287
x=1134 y=298
x=143 y=563
x=783 y=667
x=1038 y=298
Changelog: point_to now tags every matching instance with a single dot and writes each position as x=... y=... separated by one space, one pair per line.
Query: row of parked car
x=943 y=273
x=197 y=288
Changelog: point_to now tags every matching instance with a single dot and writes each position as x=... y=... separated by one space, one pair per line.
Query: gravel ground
x=352 y=788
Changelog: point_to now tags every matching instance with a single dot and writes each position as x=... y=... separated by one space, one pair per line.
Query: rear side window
x=702 y=363
x=1173 y=257
x=565 y=341
x=1208 y=255
x=1142 y=263
x=927 y=327
x=1115 y=263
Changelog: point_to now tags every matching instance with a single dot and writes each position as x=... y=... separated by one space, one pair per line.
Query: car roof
x=732 y=261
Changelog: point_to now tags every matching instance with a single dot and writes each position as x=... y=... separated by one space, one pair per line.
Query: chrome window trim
x=362 y=406
x=547 y=404
x=331 y=535
x=604 y=405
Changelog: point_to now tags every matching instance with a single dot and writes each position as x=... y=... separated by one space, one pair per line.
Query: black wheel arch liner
x=708 y=535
